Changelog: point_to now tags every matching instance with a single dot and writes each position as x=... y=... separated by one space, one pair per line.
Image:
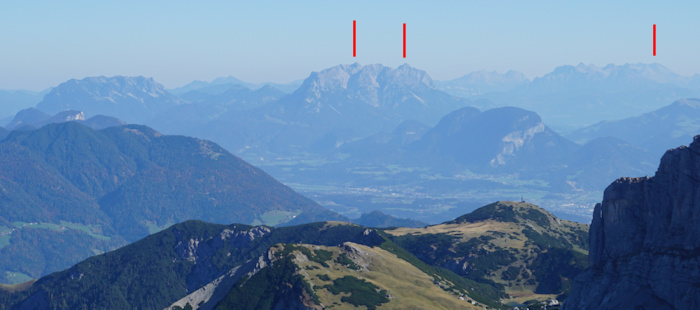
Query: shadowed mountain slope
x=122 y=183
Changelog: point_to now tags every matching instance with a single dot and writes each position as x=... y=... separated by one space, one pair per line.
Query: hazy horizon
x=176 y=43
x=301 y=78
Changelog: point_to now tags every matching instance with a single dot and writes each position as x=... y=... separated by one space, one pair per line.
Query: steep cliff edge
x=645 y=240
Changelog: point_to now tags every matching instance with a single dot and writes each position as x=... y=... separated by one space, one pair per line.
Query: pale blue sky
x=43 y=43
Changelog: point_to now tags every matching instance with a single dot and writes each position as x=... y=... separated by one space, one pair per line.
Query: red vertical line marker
x=354 y=38
x=654 y=39
x=404 y=40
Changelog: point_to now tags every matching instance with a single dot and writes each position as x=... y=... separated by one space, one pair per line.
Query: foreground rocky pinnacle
x=645 y=240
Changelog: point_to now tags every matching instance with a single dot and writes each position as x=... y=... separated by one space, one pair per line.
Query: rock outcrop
x=645 y=240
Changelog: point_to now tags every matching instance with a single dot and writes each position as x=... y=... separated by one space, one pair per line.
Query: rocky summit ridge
x=645 y=240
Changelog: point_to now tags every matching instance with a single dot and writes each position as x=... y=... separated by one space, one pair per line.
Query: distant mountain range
x=507 y=247
x=222 y=83
x=347 y=102
x=568 y=98
x=330 y=107
x=132 y=99
x=502 y=141
x=482 y=82
x=237 y=97
x=69 y=191
x=348 y=93
x=353 y=117
x=656 y=131
x=571 y=97
x=219 y=115
x=75 y=181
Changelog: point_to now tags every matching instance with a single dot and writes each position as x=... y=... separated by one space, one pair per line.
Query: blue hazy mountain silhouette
x=132 y=99
x=571 y=97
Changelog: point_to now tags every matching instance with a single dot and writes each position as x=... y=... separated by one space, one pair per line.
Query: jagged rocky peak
x=370 y=76
x=407 y=75
x=645 y=240
x=109 y=85
x=589 y=73
x=133 y=99
x=659 y=213
x=333 y=77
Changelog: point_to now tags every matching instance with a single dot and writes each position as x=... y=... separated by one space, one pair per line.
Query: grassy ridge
x=506 y=246
x=163 y=268
x=482 y=293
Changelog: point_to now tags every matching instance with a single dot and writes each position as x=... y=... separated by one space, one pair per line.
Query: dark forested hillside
x=66 y=183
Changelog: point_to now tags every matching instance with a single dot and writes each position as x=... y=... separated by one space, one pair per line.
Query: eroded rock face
x=645 y=240
x=201 y=251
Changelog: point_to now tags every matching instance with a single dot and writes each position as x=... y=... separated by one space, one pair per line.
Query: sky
x=43 y=43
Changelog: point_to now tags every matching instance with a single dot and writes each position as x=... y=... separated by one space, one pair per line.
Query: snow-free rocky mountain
x=132 y=99
x=330 y=107
x=645 y=240
x=350 y=101
x=571 y=97
x=348 y=118
x=359 y=95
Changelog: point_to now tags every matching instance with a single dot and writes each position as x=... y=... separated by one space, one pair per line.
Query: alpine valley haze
x=359 y=155
x=395 y=191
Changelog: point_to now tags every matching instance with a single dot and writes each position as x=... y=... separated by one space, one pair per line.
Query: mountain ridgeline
x=329 y=107
x=656 y=131
x=211 y=266
x=349 y=109
x=76 y=183
x=517 y=247
x=133 y=99
x=70 y=191
x=327 y=264
x=571 y=97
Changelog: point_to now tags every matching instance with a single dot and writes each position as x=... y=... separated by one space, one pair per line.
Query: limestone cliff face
x=645 y=240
